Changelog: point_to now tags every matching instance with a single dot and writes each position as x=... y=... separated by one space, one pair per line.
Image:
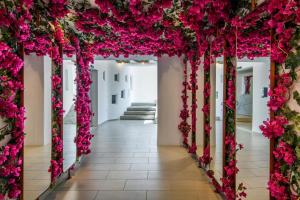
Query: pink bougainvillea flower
x=274 y=128
x=284 y=152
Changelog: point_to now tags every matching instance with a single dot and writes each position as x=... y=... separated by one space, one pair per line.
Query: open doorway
x=124 y=90
x=252 y=98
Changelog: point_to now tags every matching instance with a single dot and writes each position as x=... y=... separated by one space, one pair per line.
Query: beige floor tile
x=98 y=175
x=132 y=160
x=32 y=195
x=120 y=175
x=257 y=194
x=99 y=167
x=147 y=185
x=175 y=195
x=125 y=163
x=190 y=185
x=73 y=195
x=121 y=195
x=36 y=185
x=84 y=185
x=177 y=175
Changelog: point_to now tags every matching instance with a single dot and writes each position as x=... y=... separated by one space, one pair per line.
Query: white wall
x=219 y=90
x=261 y=71
x=109 y=87
x=69 y=86
x=200 y=100
x=37 y=99
x=244 y=101
x=144 y=78
x=170 y=77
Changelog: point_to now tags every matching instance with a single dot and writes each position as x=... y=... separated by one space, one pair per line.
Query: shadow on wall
x=170 y=78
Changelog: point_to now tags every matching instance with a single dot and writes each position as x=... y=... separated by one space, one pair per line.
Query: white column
x=37 y=99
x=170 y=78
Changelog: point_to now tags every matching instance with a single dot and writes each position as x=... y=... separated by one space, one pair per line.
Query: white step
x=141 y=108
x=137 y=117
x=139 y=113
x=143 y=104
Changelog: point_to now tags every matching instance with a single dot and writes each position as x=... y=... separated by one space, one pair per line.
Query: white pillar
x=37 y=99
x=170 y=78
x=213 y=103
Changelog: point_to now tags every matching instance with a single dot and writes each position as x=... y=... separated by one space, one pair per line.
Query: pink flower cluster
x=82 y=105
x=282 y=12
x=230 y=101
x=58 y=8
x=205 y=159
x=13 y=113
x=285 y=153
x=274 y=128
x=194 y=87
x=56 y=167
x=125 y=34
x=184 y=127
x=279 y=95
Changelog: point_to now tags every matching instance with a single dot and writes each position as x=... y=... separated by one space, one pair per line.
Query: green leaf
x=296 y=96
x=297 y=152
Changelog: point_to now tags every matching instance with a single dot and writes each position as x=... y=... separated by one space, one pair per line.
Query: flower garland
x=283 y=126
x=205 y=159
x=184 y=127
x=12 y=112
x=194 y=87
x=230 y=146
x=14 y=29
x=56 y=167
x=82 y=105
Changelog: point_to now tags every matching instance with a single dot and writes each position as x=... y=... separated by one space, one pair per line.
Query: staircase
x=140 y=111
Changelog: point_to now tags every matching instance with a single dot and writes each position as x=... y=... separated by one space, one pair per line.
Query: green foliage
x=296 y=96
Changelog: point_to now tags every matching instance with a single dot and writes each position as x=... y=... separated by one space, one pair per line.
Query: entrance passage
x=127 y=164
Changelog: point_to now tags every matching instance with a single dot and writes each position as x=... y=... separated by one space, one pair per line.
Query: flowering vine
x=206 y=158
x=56 y=167
x=14 y=29
x=194 y=87
x=12 y=111
x=283 y=126
x=82 y=105
x=184 y=127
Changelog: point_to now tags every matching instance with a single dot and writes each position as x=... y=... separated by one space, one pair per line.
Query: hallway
x=126 y=164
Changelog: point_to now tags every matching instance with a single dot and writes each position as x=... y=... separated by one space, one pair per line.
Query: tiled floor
x=253 y=160
x=37 y=161
x=217 y=152
x=36 y=176
x=126 y=164
x=69 y=146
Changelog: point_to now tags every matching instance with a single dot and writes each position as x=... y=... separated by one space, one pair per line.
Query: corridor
x=126 y=164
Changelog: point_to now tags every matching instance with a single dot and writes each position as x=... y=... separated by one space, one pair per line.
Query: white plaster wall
x=37 y=99
x=200 y=100
x=219 y=90
x=244 y=101
x=103 y=90
x=144 y=83
x=189 y=101
x=170 y=77
x=213 y=103
x=109 y=87
x=69 y=86
x=47 y=100
x=94 y=96
x=261 y=71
